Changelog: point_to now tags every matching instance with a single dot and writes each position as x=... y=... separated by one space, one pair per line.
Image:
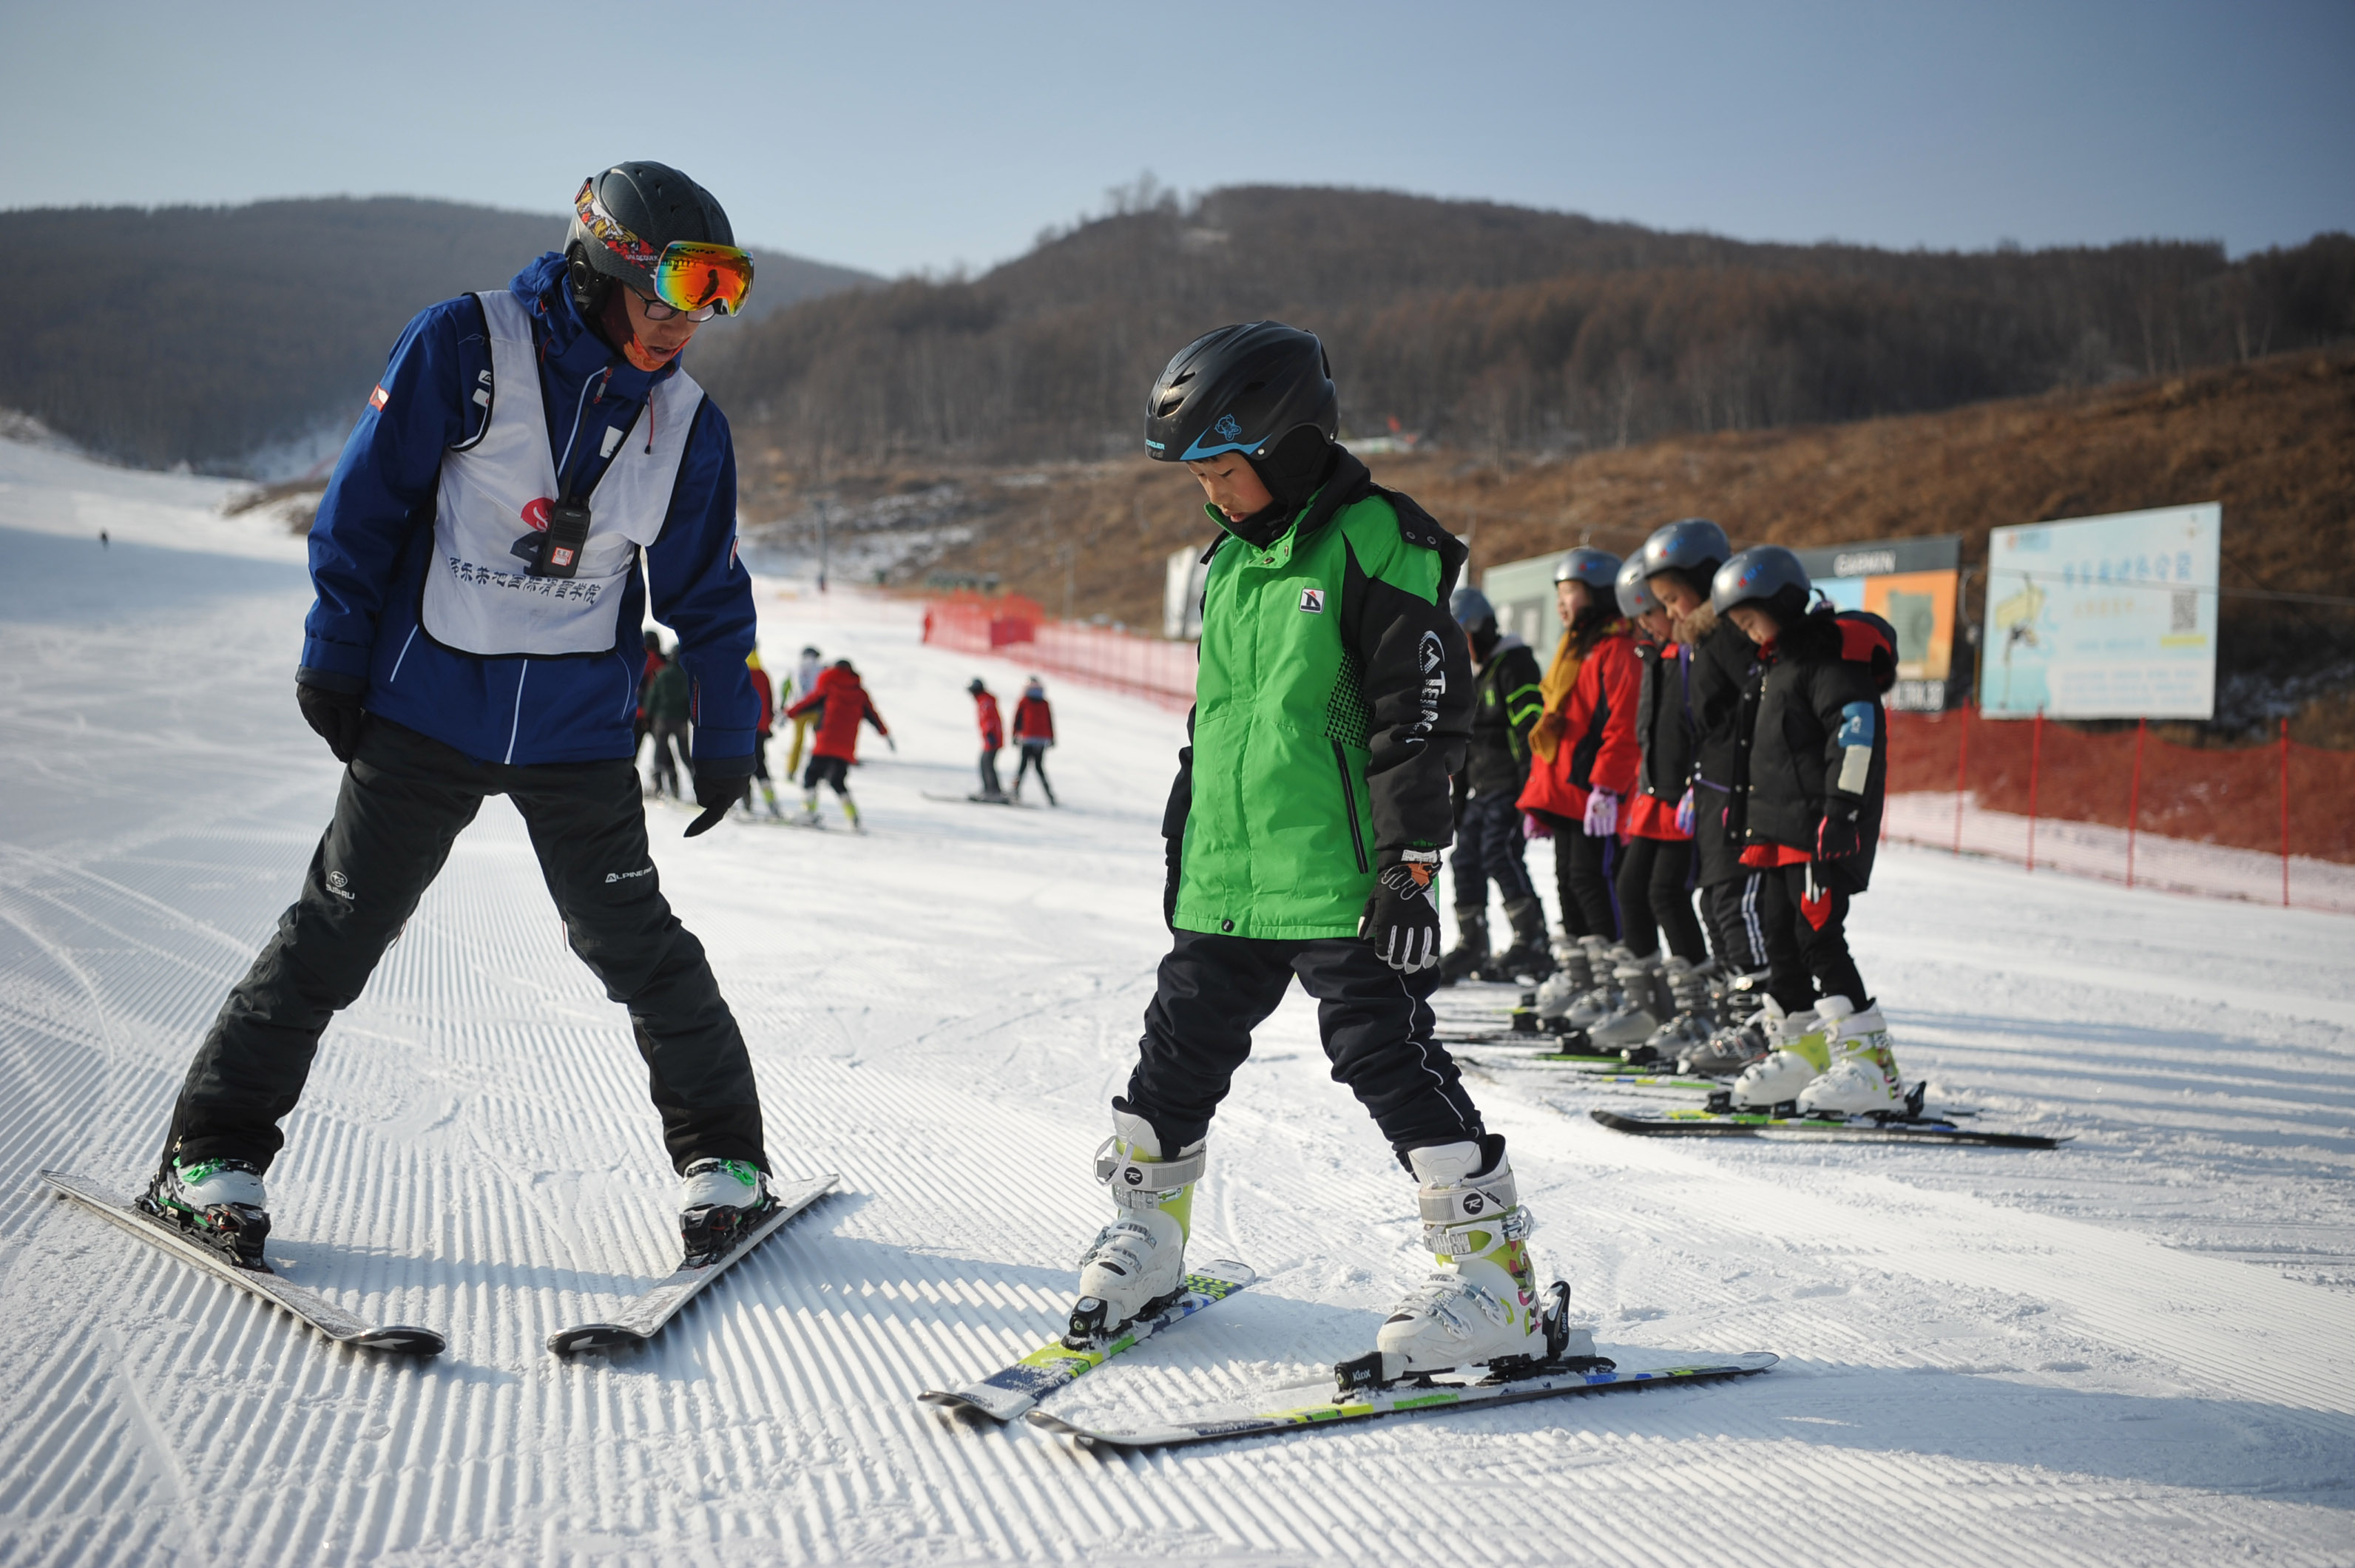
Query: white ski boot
x=721 y=1201
x=1862 y=1078
x=1136 y=1264
x=1481 y=1306
x=1802 y=1051
x=216 y=1201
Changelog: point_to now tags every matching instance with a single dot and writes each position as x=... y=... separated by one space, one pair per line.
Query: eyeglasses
x=657 y=311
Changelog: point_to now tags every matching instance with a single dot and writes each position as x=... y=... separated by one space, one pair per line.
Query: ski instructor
x=476 y=632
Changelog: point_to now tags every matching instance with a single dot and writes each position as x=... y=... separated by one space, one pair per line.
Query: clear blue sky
x=904 y=137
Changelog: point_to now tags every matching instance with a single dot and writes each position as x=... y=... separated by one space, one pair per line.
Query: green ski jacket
x=1333 y=704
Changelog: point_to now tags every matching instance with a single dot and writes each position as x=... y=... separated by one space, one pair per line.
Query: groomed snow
x=2137 y=1348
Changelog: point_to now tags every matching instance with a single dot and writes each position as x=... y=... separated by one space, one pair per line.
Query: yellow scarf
x=1553 y=691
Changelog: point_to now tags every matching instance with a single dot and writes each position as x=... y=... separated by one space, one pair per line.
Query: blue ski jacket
x=373 y=543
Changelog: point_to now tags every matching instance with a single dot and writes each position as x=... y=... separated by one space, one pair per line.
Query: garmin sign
x=1912 y=584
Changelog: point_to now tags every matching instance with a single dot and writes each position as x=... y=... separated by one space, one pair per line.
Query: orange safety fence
x=2274 y=821
x=1014 y=627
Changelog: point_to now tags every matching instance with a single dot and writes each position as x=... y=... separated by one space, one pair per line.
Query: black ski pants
x=669 y=763
x=1034 y=760
x=1656 y=899
x=1736 y=927
x=989 y=784
x=1377 y=1023
x=405 y=799
x=1806 y=943
x=1583 y=866
x=1490 y=847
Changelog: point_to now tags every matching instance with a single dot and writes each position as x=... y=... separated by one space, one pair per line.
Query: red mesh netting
x=2232 y=797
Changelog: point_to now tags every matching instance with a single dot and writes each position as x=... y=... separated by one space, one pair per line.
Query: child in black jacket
x=1818 y=771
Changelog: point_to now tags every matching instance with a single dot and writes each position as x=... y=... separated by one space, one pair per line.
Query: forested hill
x=1497 y=327
x=197 y=335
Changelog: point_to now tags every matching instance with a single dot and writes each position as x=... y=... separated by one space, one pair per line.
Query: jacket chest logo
x=1312 y=600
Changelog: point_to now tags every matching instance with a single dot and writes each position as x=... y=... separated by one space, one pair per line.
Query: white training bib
x=480 y=597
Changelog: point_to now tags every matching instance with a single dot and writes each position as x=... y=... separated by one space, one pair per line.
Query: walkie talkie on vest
x=567 y=524
x=560 y=546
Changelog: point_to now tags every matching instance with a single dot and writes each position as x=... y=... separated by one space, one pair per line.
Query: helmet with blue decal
x=1766 y=575
x=1636 y=595
x=1598 y=569
x=1241 y=389
x=1693 y=549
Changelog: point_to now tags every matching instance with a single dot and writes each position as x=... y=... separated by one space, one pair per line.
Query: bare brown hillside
x=2273 y=441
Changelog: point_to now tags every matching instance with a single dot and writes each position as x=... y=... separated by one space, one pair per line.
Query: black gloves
x=1842 y=833
x=336 y=715
x=716 y=791
x=1401 y=920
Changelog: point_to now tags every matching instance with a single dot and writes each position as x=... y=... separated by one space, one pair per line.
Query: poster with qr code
x=2104 y=617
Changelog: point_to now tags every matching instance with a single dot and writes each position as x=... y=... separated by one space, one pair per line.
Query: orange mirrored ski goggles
x=697 y=278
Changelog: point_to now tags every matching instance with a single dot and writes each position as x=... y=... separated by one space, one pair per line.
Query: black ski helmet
x=623 y=218
x=1598 y=569
x=976 y=688
x=1763 y=574
x=1692 y=547
x=1635 y=590
x=1241 y=389
x=1470 y=607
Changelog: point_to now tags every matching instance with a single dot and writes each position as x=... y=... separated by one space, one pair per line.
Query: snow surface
x=2137 y=1348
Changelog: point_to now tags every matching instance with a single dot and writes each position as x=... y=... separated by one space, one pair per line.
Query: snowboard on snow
x=1011 y=1391
x=314 y=1309
x=649 y=1310
x=1315 y=1405
x=1918 y=1129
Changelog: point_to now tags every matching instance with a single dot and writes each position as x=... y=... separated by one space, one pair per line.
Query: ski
x=1315 y=1405
x=984 y=800
x=275 y=1288
x=1007 y=1393
x=1928 y=1130
x=656 y=1305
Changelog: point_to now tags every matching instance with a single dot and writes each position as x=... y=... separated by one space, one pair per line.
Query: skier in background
x=992 y=738
x=477 y=565
x=761 y=738
x=839 y=703
x=670 y=703
x=1506 y=702
x=1818 y=769
x=1034 y=732
x=1305 y=829
x=643 y=726
x=805 y=674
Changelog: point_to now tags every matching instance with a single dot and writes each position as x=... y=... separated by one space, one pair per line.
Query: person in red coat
x=992 y=738
x=1585 y=741
x=1034 y=732
x=840 y=703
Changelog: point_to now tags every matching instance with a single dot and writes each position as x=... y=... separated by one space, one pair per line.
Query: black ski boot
x=1471 y=951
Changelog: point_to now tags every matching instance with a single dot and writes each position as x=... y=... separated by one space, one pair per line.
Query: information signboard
x=1522 y=591
x=1912 y=584
x=2108 y=617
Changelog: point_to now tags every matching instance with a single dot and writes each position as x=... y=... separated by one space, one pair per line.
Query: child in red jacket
x=840 y=703
x=1034 y=732
x=992 y=738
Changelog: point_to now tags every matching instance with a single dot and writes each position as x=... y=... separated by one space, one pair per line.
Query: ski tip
x=1060 y=1428
x=401 y=1340
x=590 y=1337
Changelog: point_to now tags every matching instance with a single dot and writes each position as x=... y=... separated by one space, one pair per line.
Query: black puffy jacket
x=1664 y=722
x=1818 y=698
